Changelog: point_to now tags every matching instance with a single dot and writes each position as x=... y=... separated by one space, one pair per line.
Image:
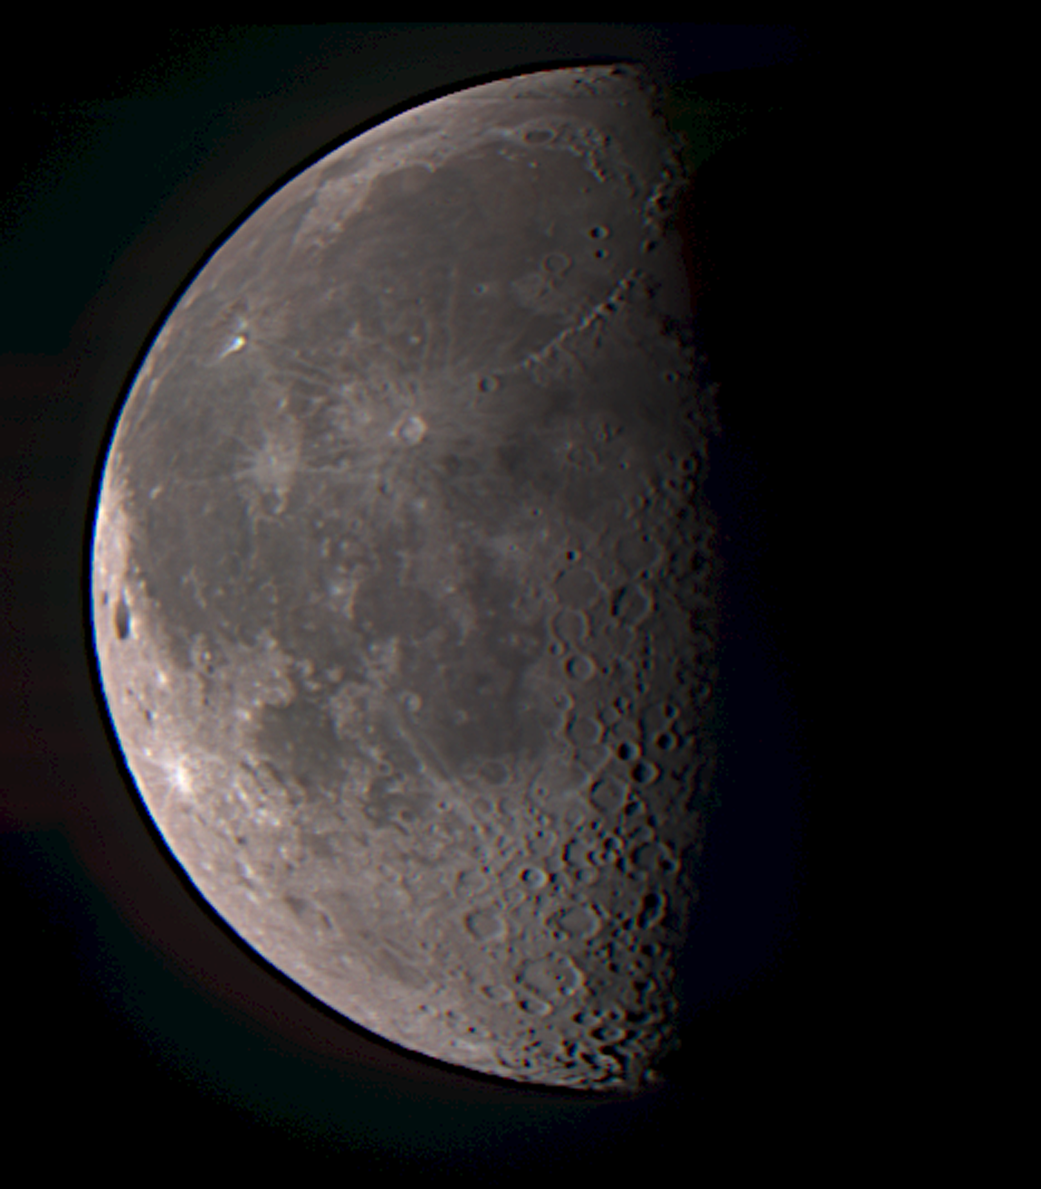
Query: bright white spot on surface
x=181 y=777
x=236 y=344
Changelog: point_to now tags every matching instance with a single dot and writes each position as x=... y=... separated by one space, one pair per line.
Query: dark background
x=132 y=1016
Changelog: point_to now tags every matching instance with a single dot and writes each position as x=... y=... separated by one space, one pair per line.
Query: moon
x=403 y=584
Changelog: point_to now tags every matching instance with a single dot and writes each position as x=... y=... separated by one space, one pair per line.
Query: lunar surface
x=403 y=580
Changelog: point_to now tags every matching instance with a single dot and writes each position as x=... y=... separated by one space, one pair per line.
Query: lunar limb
x=403 y=580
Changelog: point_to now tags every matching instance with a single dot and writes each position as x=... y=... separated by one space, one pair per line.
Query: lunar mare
x=403 y=580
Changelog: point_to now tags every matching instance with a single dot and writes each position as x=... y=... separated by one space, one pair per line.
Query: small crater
x=571 y=625
x=486 y=925
x=577 y=587
x=583 y=459
x=554 y=715
x=652 y=910
x=531 y=289
x=585 y=731
x=557 y=263
x=581 y=668
x=488 y=384
x=534 y=878
x=592 y=758
x=601 y=253
x=579 y=922
x=607 y=431
x=632 y=606
x=608 y=795
x=557 y=781
x=609 y=1034
x=647 y=857
x=470 y=883
x=122 y=619
x=609 y=852
x=495 y=772
x=536 y=1007
x=628 y=750
x=552 y=976
x=637 y=552
x=412 y=431
x=599 y=232
x=498 y=993
x=644 y=772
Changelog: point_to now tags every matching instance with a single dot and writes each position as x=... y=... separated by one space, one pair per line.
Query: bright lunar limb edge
x=403 y=581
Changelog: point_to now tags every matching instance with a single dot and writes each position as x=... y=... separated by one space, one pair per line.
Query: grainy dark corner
x=405 y=512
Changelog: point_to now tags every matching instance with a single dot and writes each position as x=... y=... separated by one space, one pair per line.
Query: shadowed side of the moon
x=403 y=581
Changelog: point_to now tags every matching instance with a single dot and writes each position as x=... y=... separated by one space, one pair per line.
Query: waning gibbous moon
x=403 y=588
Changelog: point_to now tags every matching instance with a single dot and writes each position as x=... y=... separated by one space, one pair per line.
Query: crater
x=552 y=977
x=644 y=772
x=632 y=605
x=577 y=587
x=557 y=263
x=581 y=668
x=121 y=619
x=486 y=926
x=536 y=1007
x=571 y=625
x=495 y=772
x=412 y=431
x=586 y=731
x=580 y=922
x=608 y=795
